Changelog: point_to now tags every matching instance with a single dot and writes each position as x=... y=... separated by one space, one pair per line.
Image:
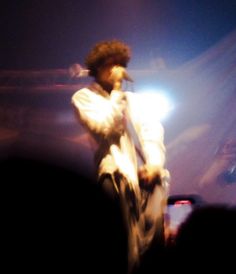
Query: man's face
x=104 y=74
x=110 y=76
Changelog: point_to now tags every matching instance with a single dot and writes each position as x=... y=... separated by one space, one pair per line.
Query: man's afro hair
x=116 y=51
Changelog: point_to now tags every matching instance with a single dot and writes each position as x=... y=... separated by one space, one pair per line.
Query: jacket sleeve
x=99 y=114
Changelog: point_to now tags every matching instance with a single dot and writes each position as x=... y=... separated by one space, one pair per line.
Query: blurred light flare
x=155 y=103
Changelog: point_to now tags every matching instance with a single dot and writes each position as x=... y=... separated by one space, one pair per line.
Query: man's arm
x=151 y=137
x=153 y=171
x=100 y=115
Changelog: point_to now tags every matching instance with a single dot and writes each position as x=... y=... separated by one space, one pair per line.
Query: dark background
x=54 y=34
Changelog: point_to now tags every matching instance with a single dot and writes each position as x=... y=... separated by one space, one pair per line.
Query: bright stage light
x=155 y=103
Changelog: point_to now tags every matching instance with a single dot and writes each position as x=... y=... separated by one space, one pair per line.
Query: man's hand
x=117 y=76
x=149 y=176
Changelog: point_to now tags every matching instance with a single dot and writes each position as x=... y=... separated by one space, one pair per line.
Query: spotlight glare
x=155 y=103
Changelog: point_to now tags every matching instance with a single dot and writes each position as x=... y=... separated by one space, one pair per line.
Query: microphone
x=119 y=73
x=127 y=77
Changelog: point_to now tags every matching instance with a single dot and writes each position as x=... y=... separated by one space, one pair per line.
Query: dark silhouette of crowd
x=57 y=220
x=207 y=239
